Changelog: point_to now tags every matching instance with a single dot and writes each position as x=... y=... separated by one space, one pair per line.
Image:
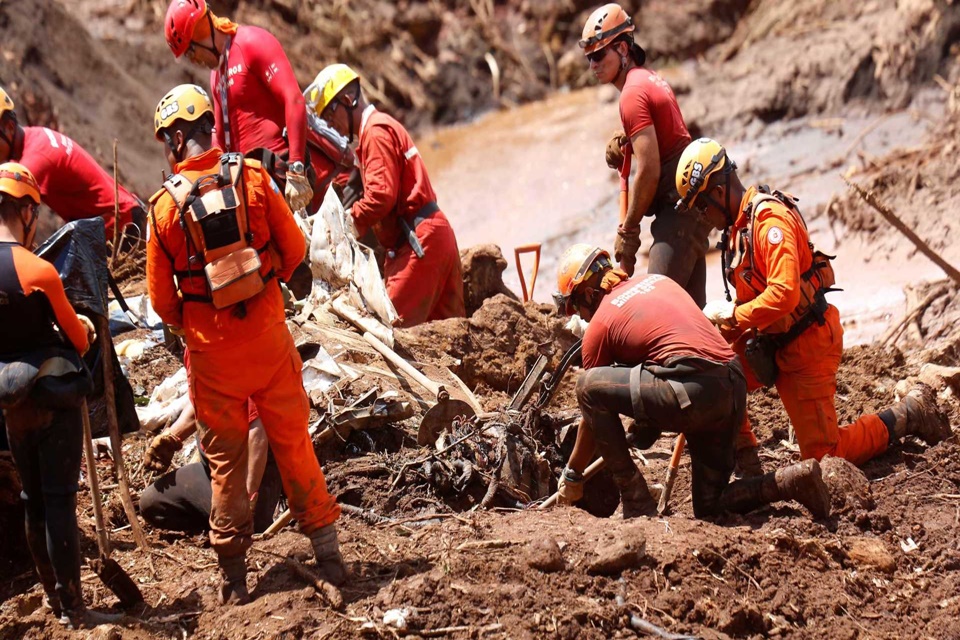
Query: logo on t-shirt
x=644 y=286
x=271 y=71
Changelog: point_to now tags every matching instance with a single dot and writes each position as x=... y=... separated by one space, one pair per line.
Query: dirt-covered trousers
x=266 y=370
x=702 y=399
x=679 y=247
x=46 y=446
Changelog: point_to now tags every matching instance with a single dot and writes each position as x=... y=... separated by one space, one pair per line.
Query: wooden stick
x=894 y=332
x=109 y=398
x=588 y=473
x=116 y=207
x=870 y=198
x=103 y=539
x=282 y=520
x=671 y=474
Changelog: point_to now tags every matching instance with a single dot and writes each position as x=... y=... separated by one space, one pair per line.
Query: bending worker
x=256 y=99
x=43 y=384
x=220 y=234
x=780 y=322
x=71 y=182
x=654 y=135
x=676 y=372
x=422 y=268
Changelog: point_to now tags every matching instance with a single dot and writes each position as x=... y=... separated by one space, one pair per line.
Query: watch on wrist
x=296 y=167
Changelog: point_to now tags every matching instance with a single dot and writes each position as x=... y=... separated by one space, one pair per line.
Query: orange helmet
x=6 y=103
x=603 y=26
x=184 y=102
x=577 y=264
x=17 y=181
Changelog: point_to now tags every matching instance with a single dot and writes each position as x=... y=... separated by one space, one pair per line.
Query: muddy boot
x=635 y=496
x=748 y=462
x=918 y=415
x=83 y=618
x=326 y=547
x=803 y=482
x=233 y=591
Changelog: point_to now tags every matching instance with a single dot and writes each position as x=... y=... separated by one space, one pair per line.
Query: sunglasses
x=597 y=56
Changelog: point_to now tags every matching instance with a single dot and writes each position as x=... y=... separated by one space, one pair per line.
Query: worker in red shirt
x=654 y=134
x=676 y=373
x=422 y=267
x=240 y=348
x=780 y=322
x=256 y=99
x=71 y=182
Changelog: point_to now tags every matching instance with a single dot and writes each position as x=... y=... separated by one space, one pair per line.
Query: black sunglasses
x=597 y=56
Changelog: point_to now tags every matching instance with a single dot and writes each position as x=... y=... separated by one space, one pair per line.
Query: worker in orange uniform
x=256 y=98
x=422 y=268
x=676 y=373
x=654 y=134
x=780 y=322
x=42 y=385
x=71 y=182
x=220 y=235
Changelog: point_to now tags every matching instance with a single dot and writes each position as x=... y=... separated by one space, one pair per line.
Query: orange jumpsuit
x=808 y=366
x=237 y=357
x=396 y=187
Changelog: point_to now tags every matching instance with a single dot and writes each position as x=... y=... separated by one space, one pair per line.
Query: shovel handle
x=282 y=521
x=103 y=541
x=672 y=473
x=625 y=181
x=588 y=473
x=534 y=248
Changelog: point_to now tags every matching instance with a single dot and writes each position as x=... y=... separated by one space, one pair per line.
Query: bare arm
x=257 y=447
x=583 y=448
x=647 y=156
x=185 y=425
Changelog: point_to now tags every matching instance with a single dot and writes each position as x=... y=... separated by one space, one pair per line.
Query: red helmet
x=182 y=17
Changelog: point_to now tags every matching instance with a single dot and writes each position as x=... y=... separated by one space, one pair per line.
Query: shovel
x=107 y=569
x=533 y=248
x=671 y=474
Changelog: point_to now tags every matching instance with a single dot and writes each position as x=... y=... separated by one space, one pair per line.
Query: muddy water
x=536 y=174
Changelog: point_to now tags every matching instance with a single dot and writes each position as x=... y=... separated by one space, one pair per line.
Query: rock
x=105 y=632
x=849 y=488
x=618 y=551
x=871 y=553
x=483 y=267
x=938 y=376
x=543 y=554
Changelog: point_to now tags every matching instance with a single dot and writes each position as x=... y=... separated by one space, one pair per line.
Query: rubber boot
x=748 y=462
x=74 y=619
x=233 y=590
x=803 y=482
x=635 y=496
x=918 y=415
x=326 y=547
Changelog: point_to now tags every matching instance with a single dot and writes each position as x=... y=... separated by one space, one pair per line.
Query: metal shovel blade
x=439 y=418
x=117 y=580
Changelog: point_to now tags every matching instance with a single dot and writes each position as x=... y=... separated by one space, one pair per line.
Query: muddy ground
x=887 y=565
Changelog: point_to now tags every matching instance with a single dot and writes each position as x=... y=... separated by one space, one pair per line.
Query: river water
x=536 y=173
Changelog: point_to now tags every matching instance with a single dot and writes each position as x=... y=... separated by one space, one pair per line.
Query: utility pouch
x=761 y=356
x=234 y=277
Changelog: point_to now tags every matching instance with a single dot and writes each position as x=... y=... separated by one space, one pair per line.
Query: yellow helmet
x=6 y=102
x=331 y=80
x=699 y=161
x=185 y=102
x=577 y=264
x=17 y=181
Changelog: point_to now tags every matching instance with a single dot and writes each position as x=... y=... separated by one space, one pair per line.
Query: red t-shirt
x=395 y=180
x=263 y=97
x=647 y=100
x=71 y=182
x=650 y=319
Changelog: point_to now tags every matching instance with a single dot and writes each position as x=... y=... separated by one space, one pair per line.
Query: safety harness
x=815 y=282
x=214 y=218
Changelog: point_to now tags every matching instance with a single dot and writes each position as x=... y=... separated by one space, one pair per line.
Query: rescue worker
x=649 y=353
x=71 y=182
x=256 y=99
x=41 y=341
x=654 y=134
x=219 y=210
x=780 y=322
x=422 y=266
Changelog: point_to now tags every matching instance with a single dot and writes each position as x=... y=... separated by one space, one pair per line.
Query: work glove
x=91 y=330
x=570 y=487
x=625 y=248
x=298 y=191
x=159 y=454
x=720 y=313
x=576 y=325
x=614 y=155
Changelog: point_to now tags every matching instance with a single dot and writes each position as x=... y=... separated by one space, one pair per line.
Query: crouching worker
x=220 y=234
x=42 y=383
x=180 y=500
x=650 y=354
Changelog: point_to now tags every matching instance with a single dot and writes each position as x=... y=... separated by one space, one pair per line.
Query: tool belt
x=761 y=350
x=408 y=230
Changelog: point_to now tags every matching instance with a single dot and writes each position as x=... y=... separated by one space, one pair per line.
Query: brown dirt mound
x=483 y=267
